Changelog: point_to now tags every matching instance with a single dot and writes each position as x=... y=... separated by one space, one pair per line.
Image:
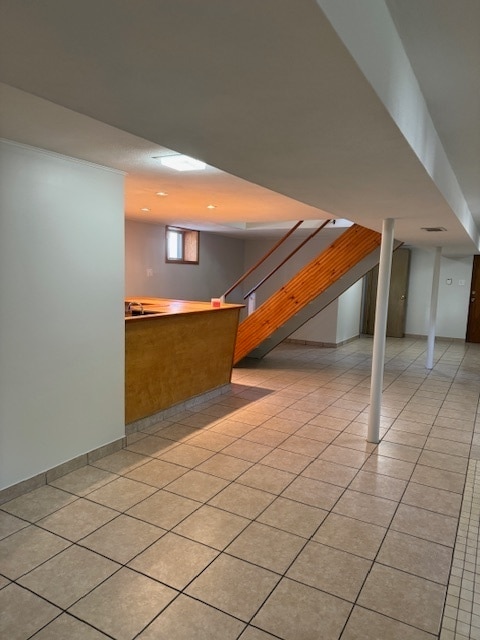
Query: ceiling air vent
x=433 y=229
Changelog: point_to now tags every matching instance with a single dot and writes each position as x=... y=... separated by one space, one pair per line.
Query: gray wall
x=221 y=264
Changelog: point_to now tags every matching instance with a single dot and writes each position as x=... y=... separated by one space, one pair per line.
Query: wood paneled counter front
x=181 y=349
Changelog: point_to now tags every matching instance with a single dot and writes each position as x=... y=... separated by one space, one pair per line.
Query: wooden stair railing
x=262 y=259
x=344 y=253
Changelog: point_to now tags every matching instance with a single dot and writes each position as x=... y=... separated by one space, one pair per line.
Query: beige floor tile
x=4 y=582
x=82 y=481
x=26 y=549
x=233 y=428
x=211 y=440
x=439 y=478
x=224 y=466
x=121 y=494
x=337 y=572
x=295 y=611
x=282 y=424
x=425 y=524
x=438 y=500
x=164 y=509
x=398 y=451
x=344 y=456
x=227 y=585
x=406 y=598
x=364 y=624
x=151 y=445
x=252 y=418
x=23 y=613
x=39 y=503
x=266 y=546
x=293 y=517
x=66 y=627
x=297 y=415
x=10 y=524
x=161 y=560
x=287 y=460
x=403 y=437
x=303 y=446
x=157 y=473
x=454 y=423
x=123 y=605
x=318 y=433
x=330 y=419
x=390 y=467
x=447 y=446
x=313 y=492
x=457 y=464
x=246 y=450
x=242 y=500
x=69 y=575
x=177 y=432
x=211 y=526
x=188 y=619
x=348 y=534
x=266 y=478
x=187 y=456
x=252 y=633
x=121 y=462
x=77 y=519
x=367 y=508
x=197 y=485
x=123 y=538
x=353 y=441
x=412 y=426
x=454 y=435
x=197 y=420
x=422 y=558
x=330 y=472
x=267 y=437
x=377 y=484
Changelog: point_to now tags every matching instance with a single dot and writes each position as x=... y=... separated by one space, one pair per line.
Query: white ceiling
x=267 y=92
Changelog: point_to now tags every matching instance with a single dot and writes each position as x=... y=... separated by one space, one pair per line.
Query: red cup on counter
x=216 y=302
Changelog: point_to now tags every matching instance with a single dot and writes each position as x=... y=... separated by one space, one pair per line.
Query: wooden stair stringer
x=312 y=280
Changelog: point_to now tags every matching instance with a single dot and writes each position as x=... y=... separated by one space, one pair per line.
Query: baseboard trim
x=321 y=345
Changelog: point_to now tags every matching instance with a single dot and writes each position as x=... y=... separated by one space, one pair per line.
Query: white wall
x=220 y=265
x=61 y=310
x=349 y=310
x=453 y=300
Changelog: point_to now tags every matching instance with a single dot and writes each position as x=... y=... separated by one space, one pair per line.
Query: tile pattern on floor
x=461 y=618
x=264 y=513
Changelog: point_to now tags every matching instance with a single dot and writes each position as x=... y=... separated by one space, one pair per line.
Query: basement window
x=181 y=245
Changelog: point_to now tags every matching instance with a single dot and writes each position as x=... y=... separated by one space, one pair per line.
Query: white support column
x=380 y=330
x=433 y=308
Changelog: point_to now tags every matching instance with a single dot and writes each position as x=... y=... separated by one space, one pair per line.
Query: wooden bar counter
x=181 y=349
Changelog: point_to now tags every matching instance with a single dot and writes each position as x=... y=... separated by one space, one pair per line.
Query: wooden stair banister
x=312 y=280
x=262 y=260
x=286 y=259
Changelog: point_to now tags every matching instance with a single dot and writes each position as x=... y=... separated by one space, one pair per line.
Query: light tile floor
x=265 y=514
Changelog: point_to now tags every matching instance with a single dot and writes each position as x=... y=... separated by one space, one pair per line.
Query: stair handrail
x=292 y=253
x=267 y=255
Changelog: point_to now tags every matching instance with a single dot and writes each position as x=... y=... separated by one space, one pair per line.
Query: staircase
x=317 y=284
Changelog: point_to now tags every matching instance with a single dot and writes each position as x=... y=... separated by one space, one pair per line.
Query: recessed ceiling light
x=161 y=193
x=182 y=163
x=211 y=206
x=144 y=209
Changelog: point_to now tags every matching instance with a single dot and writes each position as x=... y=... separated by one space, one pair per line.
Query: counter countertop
x=167 y=306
